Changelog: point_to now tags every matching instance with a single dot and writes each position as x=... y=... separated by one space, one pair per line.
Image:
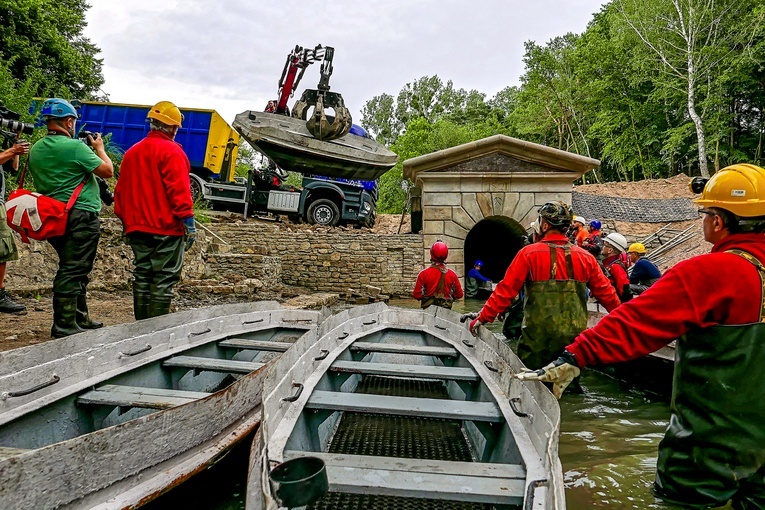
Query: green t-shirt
x=58 y=164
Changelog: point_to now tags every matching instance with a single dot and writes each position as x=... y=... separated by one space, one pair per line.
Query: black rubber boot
x=83 y=318
x=7 y=305
x=141 y=302
x=159 y=306
x=64 y=317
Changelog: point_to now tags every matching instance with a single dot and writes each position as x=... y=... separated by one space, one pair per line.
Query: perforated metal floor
x=398 y=436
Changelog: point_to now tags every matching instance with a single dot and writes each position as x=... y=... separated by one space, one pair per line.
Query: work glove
x=560 y=373
x=190 y=231
x=468 y=316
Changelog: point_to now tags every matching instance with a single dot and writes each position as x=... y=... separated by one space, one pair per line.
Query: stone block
x=542 y=198
x=470 y=206
x=485 y=204
x=441 y=199
x=451 y=229
x=433 y=227
x=463 y=219
x=437 y=213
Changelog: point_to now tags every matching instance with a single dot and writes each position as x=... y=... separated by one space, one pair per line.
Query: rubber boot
x=141 y=302
x=83 y=318
x=159 y=306
x=64 y=317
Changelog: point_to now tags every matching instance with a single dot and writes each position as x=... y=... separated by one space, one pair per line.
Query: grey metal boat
x=112 y=418
x=287 y=141
x=403 y=408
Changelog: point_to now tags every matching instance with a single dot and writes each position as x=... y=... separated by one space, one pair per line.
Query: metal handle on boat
x=518 y=412
x=296 y=396
x=197 y=333
x=468 y=343
x=490 y=365
x=139 y=351
x=253 y=322
x=441 y=327
x=344 y=335
x=295 y=321
x=367 y=323
x=322 y=355
x=40 y=386
x=529 y=499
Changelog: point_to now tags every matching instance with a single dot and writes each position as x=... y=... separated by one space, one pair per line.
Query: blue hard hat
x=478 y=263
x=58 y=108
x=595 y=224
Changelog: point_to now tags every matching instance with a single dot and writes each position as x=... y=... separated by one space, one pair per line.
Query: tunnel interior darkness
x=495 y=241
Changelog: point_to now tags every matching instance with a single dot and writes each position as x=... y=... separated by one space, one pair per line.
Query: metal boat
x=403 y=408
x=112 y=418
x=287 y=141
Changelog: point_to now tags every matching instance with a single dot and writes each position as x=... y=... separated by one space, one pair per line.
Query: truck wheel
x=323 y=212
x=196 y=190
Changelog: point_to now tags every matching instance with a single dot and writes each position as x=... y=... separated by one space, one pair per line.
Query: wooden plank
x=409 y=478
x=400 y=370
x=212 y=364
x=7 y=452
x=255 y=345
x=405 y=406
x=477 y=469
x=133 y=396
x=404 y=349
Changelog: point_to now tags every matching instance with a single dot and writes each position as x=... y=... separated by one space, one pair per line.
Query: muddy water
x=609 y=437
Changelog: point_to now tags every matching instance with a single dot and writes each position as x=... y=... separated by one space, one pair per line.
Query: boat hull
x=133 y=461
x=513 y=426
x=287 y=141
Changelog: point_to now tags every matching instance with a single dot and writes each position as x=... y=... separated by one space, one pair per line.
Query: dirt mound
x=674 y=187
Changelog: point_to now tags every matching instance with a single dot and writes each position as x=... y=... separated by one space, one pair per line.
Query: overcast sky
x=228 y=55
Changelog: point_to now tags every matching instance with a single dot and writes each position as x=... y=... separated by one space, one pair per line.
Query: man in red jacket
x=614 y=245
x=437 y=284
x=556 y=275
x=153 y=200
x=714 y=448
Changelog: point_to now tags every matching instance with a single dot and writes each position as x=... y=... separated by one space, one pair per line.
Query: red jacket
x=618 y=275
x=427 y=281
x=532 y=263
x=704 y=291
x=152 y=193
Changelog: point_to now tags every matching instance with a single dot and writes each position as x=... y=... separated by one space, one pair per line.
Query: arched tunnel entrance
x=495 y=241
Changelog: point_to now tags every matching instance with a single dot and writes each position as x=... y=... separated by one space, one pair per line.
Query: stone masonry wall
x=333 y=260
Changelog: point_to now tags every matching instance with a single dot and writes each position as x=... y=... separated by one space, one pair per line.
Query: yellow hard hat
x=739 y=189
x=636 y=248
x=167 y=113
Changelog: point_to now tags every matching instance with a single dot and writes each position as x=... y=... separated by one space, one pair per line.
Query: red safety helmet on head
x=439 y=251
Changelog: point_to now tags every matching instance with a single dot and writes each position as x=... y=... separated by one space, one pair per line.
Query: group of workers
x=152 y=198
x=713 y=452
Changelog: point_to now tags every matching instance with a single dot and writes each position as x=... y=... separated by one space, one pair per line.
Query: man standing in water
x=555 y=275
x=437 y=284
x=714 y=448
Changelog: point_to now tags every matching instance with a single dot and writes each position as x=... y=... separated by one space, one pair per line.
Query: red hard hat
x=439 y=251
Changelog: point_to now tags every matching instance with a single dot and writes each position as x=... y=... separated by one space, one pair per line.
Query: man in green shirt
x=59 y=162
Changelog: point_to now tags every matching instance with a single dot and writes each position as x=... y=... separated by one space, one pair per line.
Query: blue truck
x=212 y=147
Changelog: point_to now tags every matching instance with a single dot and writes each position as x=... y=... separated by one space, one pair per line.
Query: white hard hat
x=618 y=241
x=580 y=220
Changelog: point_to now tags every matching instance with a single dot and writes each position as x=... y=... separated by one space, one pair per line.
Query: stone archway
x=495 y=241
x=497 y=176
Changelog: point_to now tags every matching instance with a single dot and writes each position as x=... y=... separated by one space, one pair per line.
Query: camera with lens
x=83 y=135
x=107 y=197
x=10 y=120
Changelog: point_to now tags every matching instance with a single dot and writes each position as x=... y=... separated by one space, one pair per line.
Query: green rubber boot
x=83 y=318
x=64 y=317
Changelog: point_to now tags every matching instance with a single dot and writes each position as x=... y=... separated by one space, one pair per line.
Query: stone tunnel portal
x=495 y=241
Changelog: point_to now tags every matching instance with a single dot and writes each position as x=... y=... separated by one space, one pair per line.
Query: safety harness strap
x=554 y=261
x=760 y=269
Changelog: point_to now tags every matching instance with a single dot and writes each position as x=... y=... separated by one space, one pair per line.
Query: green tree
x=43 y=48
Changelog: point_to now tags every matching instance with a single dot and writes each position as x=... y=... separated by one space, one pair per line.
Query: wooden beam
x=212 y=364
x=133 y=396
x=404 y=349
x=400 y=370
x=255 y=345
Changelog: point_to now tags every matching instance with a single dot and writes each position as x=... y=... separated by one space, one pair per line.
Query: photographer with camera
x=9 y=161
x=59 y=163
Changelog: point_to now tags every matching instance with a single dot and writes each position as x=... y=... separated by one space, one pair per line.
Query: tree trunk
x=696 y=119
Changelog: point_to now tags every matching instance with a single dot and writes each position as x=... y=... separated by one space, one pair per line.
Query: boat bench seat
x=255 y=345
x=135 y=396
x=410 y=371
x=426 y=350
x=474 y=482
x=212 y=364
x=405 y=406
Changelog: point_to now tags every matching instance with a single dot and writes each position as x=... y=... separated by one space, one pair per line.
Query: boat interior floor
x=402 y=437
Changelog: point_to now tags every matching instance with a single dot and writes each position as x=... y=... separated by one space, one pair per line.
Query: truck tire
x=196 y=190
x=323 y=212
